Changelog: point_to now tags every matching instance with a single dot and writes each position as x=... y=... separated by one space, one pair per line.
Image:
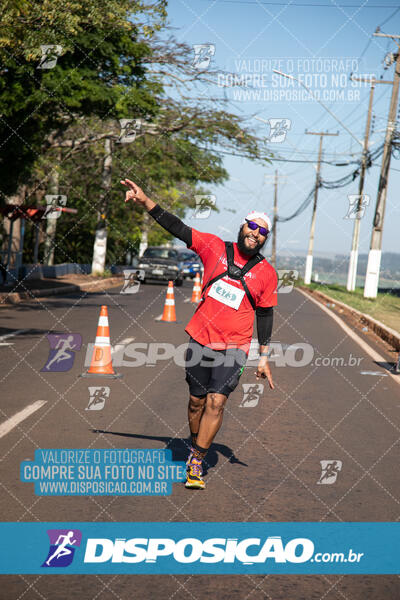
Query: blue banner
x=102 y=472
x=200 y=548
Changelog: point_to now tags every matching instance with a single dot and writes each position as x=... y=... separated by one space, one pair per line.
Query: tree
x=98 y=72
x=117 y=68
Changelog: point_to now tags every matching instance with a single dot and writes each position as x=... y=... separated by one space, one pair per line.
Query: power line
x=388 y=19
x=357 y=105
x=307 y=4
x=331 y=185
x=358 y=60
x=333 y=153
x=301 y=208
x=354 y=121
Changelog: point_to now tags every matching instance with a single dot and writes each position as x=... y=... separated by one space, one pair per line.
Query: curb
x=386 y=333
x=7 y=299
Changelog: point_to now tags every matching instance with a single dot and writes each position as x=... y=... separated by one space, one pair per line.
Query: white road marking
x=366 y=347
x=159 y=317
x=374 y=373
x=12 y=334
x=20 y=416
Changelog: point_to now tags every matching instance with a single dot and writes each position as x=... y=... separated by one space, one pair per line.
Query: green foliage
x=170 y=176
x=99 y=72
x=111 y=66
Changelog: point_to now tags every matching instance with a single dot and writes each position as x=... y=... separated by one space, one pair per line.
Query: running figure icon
x=62 y=351
x=62 y=354
x=63 y=545
x=62 y=549
x=329 y=471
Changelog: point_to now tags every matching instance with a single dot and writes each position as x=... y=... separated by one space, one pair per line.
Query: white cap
x=258 y=215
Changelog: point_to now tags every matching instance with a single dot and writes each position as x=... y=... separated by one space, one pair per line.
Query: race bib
x=226 y=293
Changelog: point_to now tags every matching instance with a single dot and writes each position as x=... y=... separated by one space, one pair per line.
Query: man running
x=237 y=283
x=63 y=345
x=62 y=542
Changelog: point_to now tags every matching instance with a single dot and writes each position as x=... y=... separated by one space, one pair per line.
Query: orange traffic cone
x=196 y=294
x=169 y=314
x=101 y=363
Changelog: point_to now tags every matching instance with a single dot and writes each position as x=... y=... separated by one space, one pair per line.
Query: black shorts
x=210 y=370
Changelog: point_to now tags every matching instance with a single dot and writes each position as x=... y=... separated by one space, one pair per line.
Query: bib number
x=226 y=293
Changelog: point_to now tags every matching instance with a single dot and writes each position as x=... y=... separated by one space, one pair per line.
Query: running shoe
x=189 y=460
x=194 y=476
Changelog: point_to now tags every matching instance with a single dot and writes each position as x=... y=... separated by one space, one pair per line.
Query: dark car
x=162 y=264
x=190 y=263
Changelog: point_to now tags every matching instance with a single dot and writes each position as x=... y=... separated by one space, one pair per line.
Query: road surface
x=264 y=466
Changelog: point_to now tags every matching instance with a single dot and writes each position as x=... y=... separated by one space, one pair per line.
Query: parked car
x=190 y=263
x=162 y=264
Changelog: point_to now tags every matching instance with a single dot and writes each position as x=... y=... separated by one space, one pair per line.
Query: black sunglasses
x=253 y=226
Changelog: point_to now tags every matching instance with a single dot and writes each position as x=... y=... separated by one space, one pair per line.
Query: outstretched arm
x=167 y=220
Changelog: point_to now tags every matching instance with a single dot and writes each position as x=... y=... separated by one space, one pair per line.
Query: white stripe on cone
x=102 y=341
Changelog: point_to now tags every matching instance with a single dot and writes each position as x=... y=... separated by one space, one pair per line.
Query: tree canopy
x=98 y=72
x=113 y=60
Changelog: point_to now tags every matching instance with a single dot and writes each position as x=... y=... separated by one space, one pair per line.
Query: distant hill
x=333 y=267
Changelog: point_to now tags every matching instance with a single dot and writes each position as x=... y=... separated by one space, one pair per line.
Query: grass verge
x=385 y=308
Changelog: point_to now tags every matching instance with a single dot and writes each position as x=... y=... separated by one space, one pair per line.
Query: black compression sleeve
x=265 y=318
x=172 y=224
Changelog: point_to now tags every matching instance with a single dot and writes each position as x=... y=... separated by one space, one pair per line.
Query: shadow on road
x=180 y=448
x=388 y=366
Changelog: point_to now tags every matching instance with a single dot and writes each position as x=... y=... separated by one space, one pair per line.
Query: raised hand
x=134 y=192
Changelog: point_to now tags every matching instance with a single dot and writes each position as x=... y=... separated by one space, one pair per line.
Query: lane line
x=17 y=332
x=374 y=373
x=366 y=347
x=20 y=416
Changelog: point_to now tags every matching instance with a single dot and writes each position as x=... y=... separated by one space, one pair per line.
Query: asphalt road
x=264 y=466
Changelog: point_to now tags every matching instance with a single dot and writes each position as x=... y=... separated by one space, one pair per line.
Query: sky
x=320 y=42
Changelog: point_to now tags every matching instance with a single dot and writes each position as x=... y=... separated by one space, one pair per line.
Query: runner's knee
x=196 y=404
x=215 y=403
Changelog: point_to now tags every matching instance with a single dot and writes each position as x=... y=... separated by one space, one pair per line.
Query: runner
x=63 y=345
x=222 y=326
x=62 y=549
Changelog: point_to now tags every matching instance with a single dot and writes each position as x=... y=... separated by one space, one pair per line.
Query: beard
x=243 y=248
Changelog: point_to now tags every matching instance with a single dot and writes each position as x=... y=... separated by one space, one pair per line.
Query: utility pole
x=375 y=252
x=275 y=178
x=273 y=255
x=51 y=223
x=352 y=272
x=309 y=259
x=100 y=240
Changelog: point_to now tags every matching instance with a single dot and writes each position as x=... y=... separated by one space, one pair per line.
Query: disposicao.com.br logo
x=62 y=547
x=247 y=551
